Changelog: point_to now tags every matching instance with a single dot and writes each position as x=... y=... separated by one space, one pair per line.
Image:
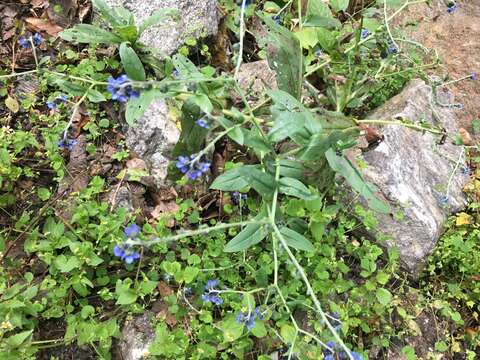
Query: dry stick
x=242 y=34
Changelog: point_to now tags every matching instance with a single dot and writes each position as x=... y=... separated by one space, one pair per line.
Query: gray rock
x=152 y=138
x=412 y=170
x=255 y=78
x=137 y=336
x=197 y=19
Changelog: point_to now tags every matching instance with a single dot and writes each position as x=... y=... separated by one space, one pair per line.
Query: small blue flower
x=183 y=164
x=318 y=53
x=444 y=200
x=23 y=41
x=192 y=168
x=37 y=39
x=277 y=19
x=67 y=143
x=125 y=253
x=466 y=170
x=193 y=174
x=52 y=105
x=62 y=97
x=329 y=357
x=132 y=230
x=211 y=284
x=214 y=299
x=237 y=197
x=364 y=33
x=474 y=76
x=176 y=74
x=452 y=7
x=356 y=356
x=392 y=49
x=121 y=89
x=240 y=318
x=202 y=123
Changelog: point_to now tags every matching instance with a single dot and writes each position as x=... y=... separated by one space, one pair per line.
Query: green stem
x=401 y=123
x=18 y=74
x=197 y=232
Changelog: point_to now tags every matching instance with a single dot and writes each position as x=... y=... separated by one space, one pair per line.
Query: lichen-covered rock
x=152 y=138
x=255 y=78
x=415 y=173
x=197 y=19
x=137 y=336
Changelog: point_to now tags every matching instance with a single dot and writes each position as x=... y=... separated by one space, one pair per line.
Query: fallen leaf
x=12 y=104
x=136 y=163
x=164 y=208
x=164 y=289
x=465 y=136
x=463 y=219
x=39 y=24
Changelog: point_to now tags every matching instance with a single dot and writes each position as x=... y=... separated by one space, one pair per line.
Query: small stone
x=137 y=336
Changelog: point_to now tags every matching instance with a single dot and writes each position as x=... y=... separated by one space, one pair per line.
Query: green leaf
x=294 y=187
x=296 y=240
x=292 y=169
x=345 y=168
x=287 y=332
x=262 y=182
x=16 y=340
x=186 y=68
x=383 y=296
x=95 y=96
x=339 y=5
x=131 y=63
x=320 y=143
x=66 y=264
x=127 y=33
x=284 y=57
x=87 y=310
x=259 y=330
x=125 y=294
x=318 y=8
x=232 y=330
x=71 y=88
x=43 y=193
x=190 y=273
x=203 y=102
x=157 y=18
x=232 y=180
x=251 y=235
x=113 y=16
x=90 y=34
x=136 y=107
x=12 y=104
x=326 y=39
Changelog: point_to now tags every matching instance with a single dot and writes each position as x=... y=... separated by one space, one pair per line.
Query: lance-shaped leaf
x=345 y=168
x=131 y=63
x=90 y=34
x=251 y=235
x=296 y=240
x=158 y=17
x=294 y=187
x=232 y=180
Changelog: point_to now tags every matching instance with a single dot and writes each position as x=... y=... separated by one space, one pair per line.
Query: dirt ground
x=456 y=37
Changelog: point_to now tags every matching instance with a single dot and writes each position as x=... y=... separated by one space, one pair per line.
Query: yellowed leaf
x=12 y=104
x=463 y=219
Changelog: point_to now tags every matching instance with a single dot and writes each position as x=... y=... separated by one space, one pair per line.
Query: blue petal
x=118 y=251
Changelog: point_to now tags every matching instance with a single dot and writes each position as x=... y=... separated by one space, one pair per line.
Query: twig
x=242 y=34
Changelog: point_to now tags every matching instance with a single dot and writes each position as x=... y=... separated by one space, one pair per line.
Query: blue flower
x=364 y=33
x=392 y=49
x=192 y=168
x=126 y=253
x=248 y=319
x=62 y=97
x=277 y=19
x=444 y=200
x=214 y=299
x=132 y=230
x=121 y=89
x=318 y=53
x=356 y=356
x=452 y=7
x=202 y=123
x=474 y=76
x=176 y=74
x=67 y=143
x=51 y=105
x=37 y=39
x=237 y=197
x=211 y=284
x=23 y=41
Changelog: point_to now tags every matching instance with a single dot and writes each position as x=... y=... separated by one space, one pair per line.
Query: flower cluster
x=202 y=123
x=364 y=33
x=248 y=318
x=329 y=355
x=191 y=167
x=67 y=144
x=59 y=99
x=211 y=294
x=125 y=251
x=25 y=42
x=121 y=89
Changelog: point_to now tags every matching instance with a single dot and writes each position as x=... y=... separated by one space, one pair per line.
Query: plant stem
x=18 y=74
x=242 y=34
x=197 y=232
x=401 y=123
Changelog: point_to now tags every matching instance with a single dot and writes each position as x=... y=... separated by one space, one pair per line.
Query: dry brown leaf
x=137 y=164
x=465 y=136
x=164 y=208
x=45 y=25
x=164 y=289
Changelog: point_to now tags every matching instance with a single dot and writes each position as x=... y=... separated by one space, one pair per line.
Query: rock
x=411 y=170
x=255 y=78
x=152 y=138
x=137 y=336
x=197 y=19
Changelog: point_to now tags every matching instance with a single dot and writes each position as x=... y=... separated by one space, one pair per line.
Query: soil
x=456 y=38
